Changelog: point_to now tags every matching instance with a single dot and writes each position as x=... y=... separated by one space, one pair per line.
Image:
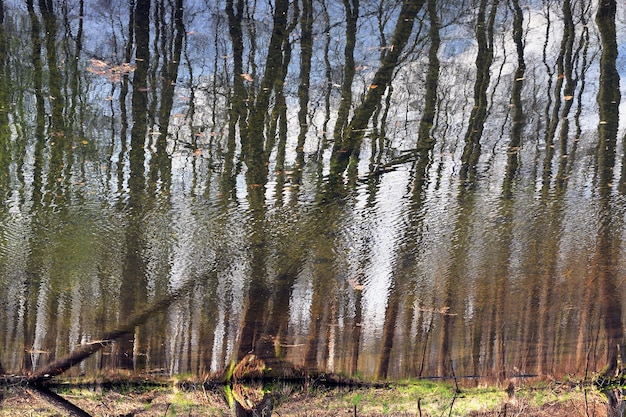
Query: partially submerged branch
x=84 y=351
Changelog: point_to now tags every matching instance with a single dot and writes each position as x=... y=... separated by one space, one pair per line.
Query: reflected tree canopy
x=390 y=188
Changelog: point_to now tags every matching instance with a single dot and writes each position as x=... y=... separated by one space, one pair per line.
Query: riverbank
x=407 y=398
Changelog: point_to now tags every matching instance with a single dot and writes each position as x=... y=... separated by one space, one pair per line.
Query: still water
x=380 y=188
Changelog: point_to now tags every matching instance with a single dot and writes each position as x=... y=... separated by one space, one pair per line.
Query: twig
x=457 y=391
x=456 y=382
x=419 y=407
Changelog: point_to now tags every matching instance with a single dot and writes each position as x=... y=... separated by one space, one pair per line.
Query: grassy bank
x=404 y=398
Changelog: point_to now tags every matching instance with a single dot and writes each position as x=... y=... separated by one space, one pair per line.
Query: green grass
x=401 y=398
x=437 y=398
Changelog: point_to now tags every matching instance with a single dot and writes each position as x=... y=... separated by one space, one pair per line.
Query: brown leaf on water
x=95 y=70
x=124 y=68
x=112 y=73
x=247 y=77
x=96 y=63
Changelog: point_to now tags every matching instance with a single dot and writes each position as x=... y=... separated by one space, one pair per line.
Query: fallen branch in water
x=84 y=351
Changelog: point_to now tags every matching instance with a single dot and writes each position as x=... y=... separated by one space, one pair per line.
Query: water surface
x=379 y=188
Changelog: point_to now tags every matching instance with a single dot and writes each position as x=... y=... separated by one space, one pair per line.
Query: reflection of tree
x=306 y=54
x=608 y=242
x=261 y=326
x=133 y=290
x=411 y=243
x=324 y=291
x=485 y=21
x=254 y=71
x=160 y=164
x=34 y=287
x=516 y=100
x=545 y=290
x=348 y=146
x=489 y=329
x=467 y=203
x=343 y=111
x=5 y=102
x=6 y=152
x=237 y=106
x=605 y=257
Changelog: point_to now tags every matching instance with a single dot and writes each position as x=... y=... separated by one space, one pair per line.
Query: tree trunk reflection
x=604 y=261
x=400 y=188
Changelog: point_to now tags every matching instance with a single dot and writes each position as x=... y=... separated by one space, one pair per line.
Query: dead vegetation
x=191 y=398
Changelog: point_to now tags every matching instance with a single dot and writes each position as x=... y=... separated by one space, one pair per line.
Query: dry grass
x=435 y=399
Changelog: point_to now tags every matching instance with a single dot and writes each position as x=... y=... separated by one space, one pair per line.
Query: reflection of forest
x=386 y=188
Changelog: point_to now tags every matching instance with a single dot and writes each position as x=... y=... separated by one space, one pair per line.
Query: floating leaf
x=96 y=63
x=112 y=73
x=247 y=77
x=124 y=68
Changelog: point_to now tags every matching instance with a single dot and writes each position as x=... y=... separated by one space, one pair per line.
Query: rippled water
x=154 y=147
